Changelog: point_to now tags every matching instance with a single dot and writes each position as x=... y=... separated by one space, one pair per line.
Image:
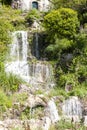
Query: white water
x=38 y=73
x=72 y=107
x=52 y=112
x=47 y=123
x=19 y=47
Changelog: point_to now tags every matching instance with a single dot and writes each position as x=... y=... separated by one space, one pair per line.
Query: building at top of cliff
x=41 y=5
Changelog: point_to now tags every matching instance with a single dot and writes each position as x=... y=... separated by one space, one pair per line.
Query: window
x=35 y=5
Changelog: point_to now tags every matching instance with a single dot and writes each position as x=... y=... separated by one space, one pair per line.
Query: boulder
x=34 y=101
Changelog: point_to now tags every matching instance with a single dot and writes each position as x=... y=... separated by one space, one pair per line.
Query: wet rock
x=24 y=89
x=67 y=57
x=68 y=87
x=9 y=124
x=37 y=124
x=85 y=120
x=85 y=110
x=2 y=126
x=34 y=101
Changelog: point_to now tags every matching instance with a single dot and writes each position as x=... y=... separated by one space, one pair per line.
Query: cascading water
x=35 y=73
x=19 y=47
x=52 y=112
x=72 y=108
x=36 y=46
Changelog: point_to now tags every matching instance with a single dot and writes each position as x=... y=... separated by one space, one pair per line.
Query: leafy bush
x=5 y=102
x=62 y=22
x=61 y=26
x=63 y=125
x=7 y=2
x=68 y=79
x=8 y=82
x=32 y=15
x=5 y=28
x=54 y=50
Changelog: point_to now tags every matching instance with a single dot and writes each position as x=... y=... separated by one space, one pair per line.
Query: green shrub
x=5 y=28
x=63 y=125
x=8 y=82
x=62 y=22
x=5 y=102
x=54 y=50
x=68 y=79
x=32 y=15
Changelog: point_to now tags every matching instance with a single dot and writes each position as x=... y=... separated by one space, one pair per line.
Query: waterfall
x=72 y=107
x=36 y=46
x=35 y=73
x=19 y=47
x=52 y=112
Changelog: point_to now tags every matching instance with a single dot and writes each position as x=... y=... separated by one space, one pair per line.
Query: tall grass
x=8 y=82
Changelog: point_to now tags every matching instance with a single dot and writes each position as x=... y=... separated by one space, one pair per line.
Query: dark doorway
x=35 y=5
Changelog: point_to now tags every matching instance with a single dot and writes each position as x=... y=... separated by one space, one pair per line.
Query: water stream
x=52 y=112
x=72 y=108
x=37 y=73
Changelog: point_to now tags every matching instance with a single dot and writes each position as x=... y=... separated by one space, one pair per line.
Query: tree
x=74 y=4
x=78 y=5
x=62 y=22
x=7 y=2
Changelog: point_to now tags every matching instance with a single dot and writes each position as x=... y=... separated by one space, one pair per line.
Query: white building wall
x=43 y=5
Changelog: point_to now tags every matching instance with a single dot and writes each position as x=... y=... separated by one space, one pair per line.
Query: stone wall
x=41 y=5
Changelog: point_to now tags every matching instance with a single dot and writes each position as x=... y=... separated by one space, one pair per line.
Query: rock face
x=50 y=114
x=34 y=101
x=71 y=109
x=85 y=120
x=41 y=5
x=32 y=124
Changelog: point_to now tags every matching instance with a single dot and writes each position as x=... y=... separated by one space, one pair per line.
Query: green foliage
x=67 y=3
x=7 y=2
x=67 y=79
x=13 y=17
x=5 y=102
x=60 y=45
x=32 y=16
x=8 y=15
x=73 y=72
x=21 y=97
x=79 y=5
x=81 y=42
x=62 y=22
x=25 y=114
x=63 y=125
x=61 y=26
x=80 y=91
x=58 y=91
x=8 y=82
x=5 y=28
